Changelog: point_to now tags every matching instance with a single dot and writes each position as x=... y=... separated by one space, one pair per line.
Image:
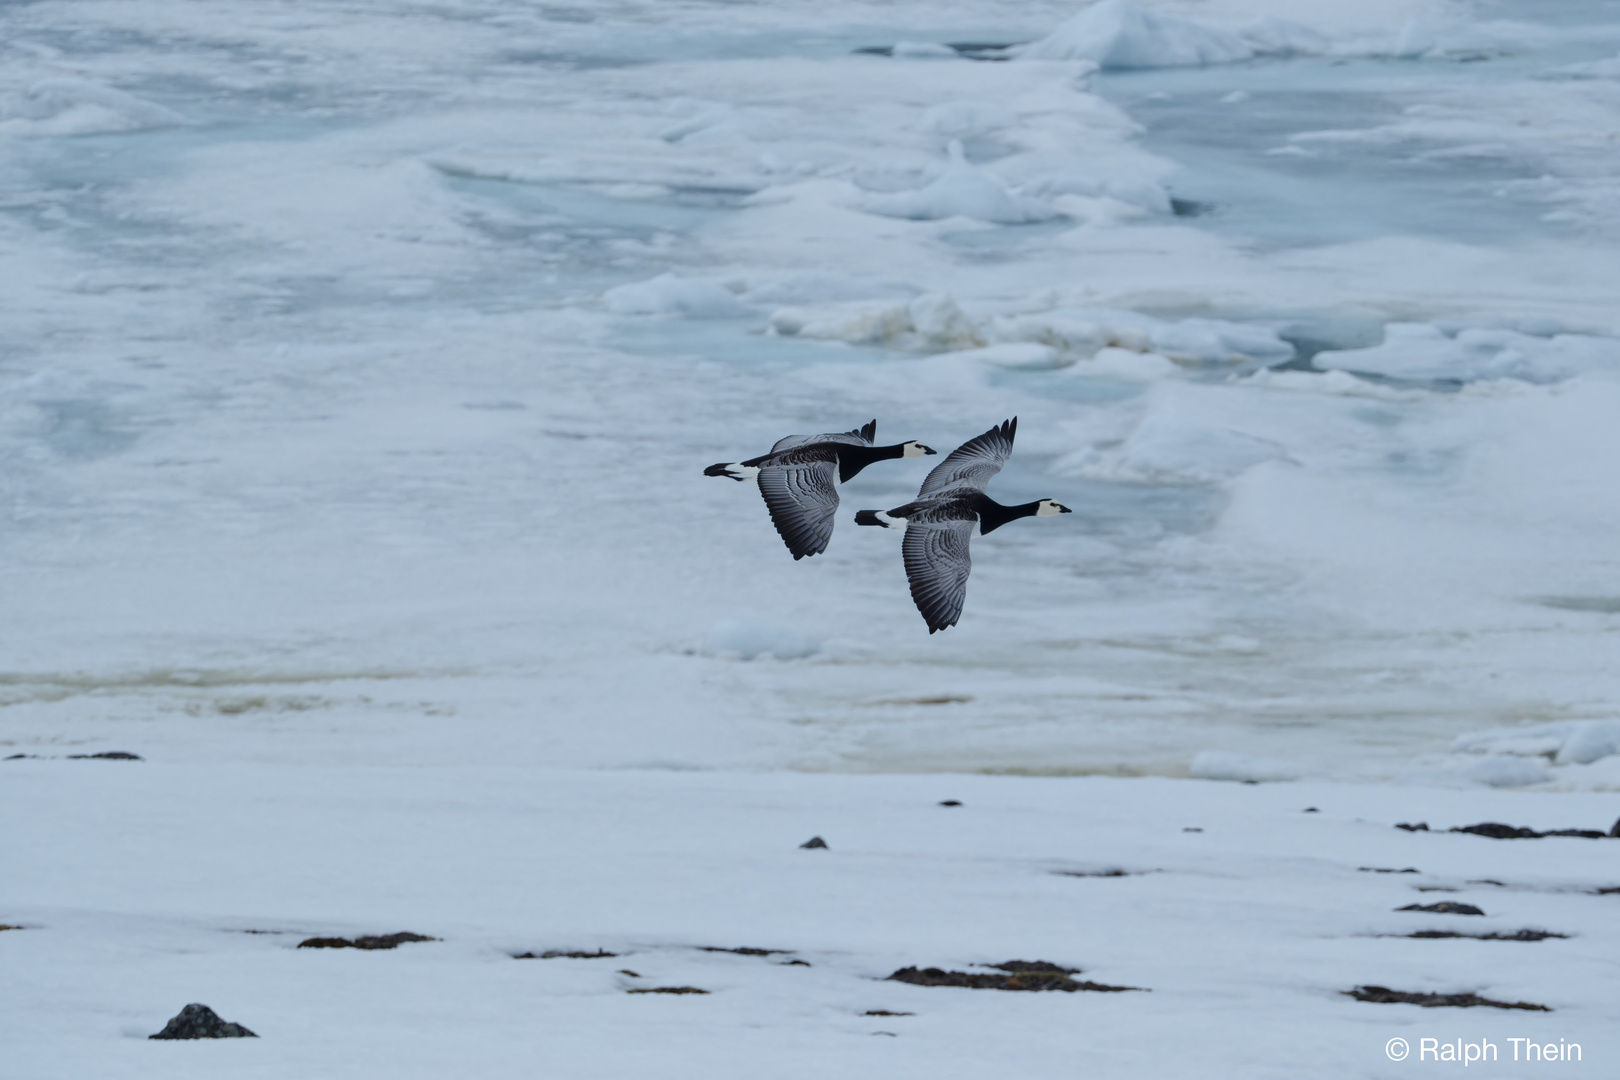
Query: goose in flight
x=950 y=510
x=799 y=479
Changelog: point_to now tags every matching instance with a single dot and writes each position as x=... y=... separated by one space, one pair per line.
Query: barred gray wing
x=937 y=565
x=802 y=500
x=861 y=436
x=974 y=463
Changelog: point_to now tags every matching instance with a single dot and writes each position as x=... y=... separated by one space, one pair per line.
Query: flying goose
x=799 y=479
x=950 y=510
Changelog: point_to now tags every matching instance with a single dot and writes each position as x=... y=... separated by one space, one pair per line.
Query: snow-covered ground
x=358 y=367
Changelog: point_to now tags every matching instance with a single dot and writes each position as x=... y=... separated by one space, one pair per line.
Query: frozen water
x=360 y=363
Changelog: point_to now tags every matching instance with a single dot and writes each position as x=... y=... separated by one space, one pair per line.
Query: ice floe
x=1425 y=351
x=64 y=105
x=960 y=191
x=670 y=294
x=747 y=639
x=1121 y=34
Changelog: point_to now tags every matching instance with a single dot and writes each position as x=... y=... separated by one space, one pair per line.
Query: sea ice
x=71 y=106
x=669 y=294
x=960 y=191
x=1425 y=351
x=1121 y=34
x=1226 y=765
x=747 y=639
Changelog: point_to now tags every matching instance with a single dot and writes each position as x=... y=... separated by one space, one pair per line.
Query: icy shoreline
x=142 y=886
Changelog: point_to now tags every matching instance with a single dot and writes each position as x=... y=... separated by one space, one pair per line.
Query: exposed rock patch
x=814 y=842
x=667 y=990
x=1517 y=935
x=1495 y=830
x=1388 y=870
x=554 y=954
x=384 y=941
x=745 y=951
x=1383 y=995
x=1014 y=975
x=1444 y=907
x=200 y=1022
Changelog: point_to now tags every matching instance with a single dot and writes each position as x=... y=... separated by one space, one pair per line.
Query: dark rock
x=1096 y=873
x=1310 y=810
x=1383 y=995
x=200 y=1022
x=1389 y=870
x=794 y=963
x=7 y=926
x=1422 y=826
x=1614 y=830
x=1444 y=907
x=15 y=757
x=1517 y=935
x=814 y=842
x=885 y=1012
x=1193 y=208
x=1606 y=890
x=745 y=951
x=632 y=974
x=1192 y=830
x=1019 y=975
x=111 y=755
x=550 y=954
x=1487 y=881
x=385 y=941
x=1497 y=831
x=958 y=802
x=667 y=990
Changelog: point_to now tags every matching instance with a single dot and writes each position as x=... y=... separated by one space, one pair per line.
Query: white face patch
x=914 y=449
x=1049 y=508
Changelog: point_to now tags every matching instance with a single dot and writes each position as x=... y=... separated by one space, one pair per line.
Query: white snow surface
x=358 y=370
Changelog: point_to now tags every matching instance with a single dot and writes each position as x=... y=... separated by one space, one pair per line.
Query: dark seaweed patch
x=667 y=990
x=1444 y=907
x=1014 y=975
x=1383 y=995
x=1517 y=935
x=369 y=942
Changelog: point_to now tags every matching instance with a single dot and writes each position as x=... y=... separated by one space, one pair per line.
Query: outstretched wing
x=937 y=565
x=861 y=436
x=972 y=464
x=802 y=500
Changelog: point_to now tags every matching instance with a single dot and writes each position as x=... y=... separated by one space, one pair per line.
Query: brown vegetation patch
x=1383 y=995
x=1014 y=975
x=384 y=941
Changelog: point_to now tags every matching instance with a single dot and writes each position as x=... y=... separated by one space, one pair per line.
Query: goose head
x=1051 y=507
x=917 y=449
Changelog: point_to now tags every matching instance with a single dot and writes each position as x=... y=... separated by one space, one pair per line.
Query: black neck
x=852 y=459
x=992 y=515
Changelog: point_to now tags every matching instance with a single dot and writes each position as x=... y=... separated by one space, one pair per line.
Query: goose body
x=800 y=475
x=949 y=511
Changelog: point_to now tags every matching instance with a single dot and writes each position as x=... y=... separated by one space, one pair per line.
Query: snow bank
x=1224 y=765
x=960 y=191
x=747 y=639
x=1426 y=351
x=668 y=294
x=69 y=106
x=1564 y=742
x=1118 y=34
